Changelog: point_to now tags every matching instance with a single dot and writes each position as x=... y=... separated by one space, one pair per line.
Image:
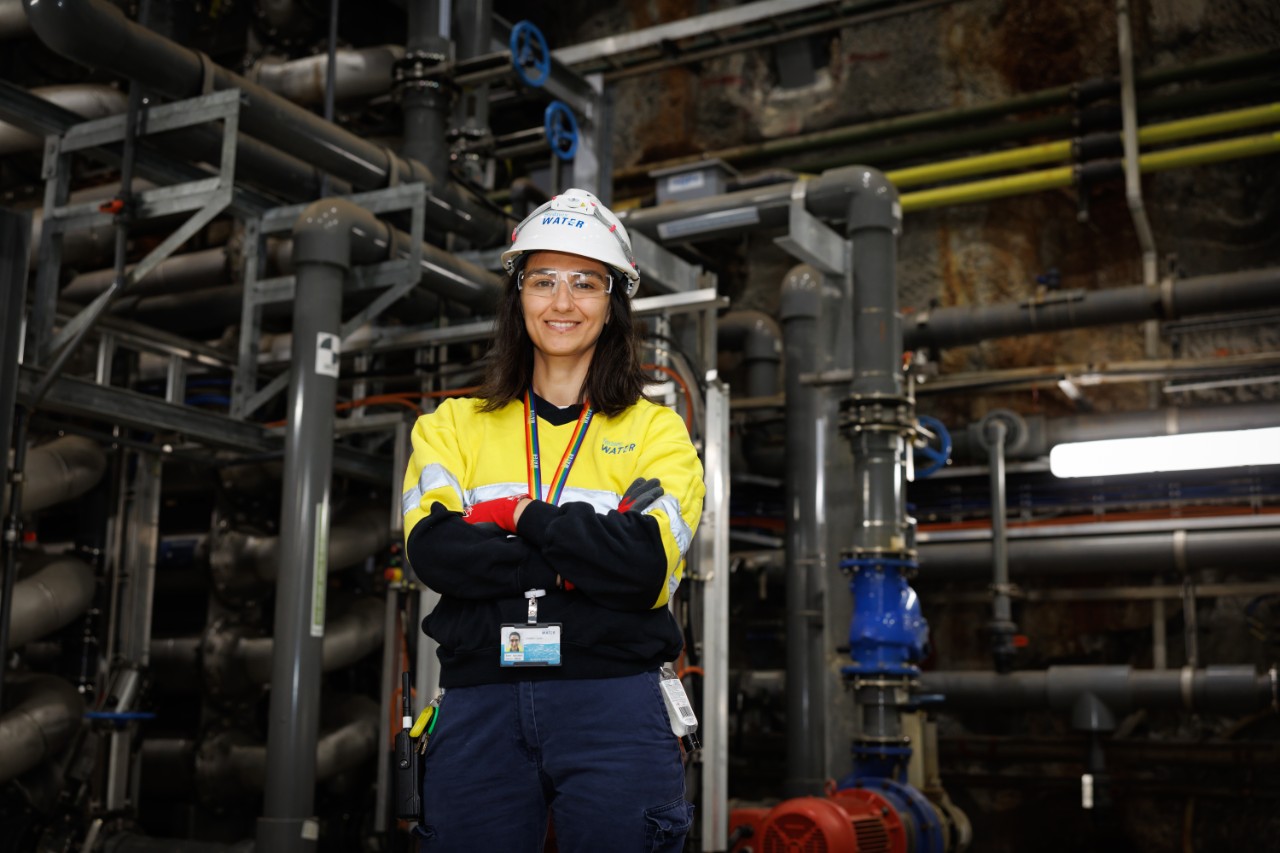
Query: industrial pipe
x=240 y=561
x=424 y=101
x=1174 y=552
x=757 y=335
x=87 y=100
x=95 y=33
x=49 y=599
x=13 y=21
x=130 y=843
x=176 y=274
x=229 y=765
x=347 y=639
x=1042 y=434
x=1215 y=689
x=42 y=713
x=960 y=325
x=360 y=73
x=1065 y=176
x=59 y=471
x=805 y=300
x=1065 y=150
x=1076 y=93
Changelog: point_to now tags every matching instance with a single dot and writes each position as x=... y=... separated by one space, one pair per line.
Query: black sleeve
x=475 y=561
x=616 y=559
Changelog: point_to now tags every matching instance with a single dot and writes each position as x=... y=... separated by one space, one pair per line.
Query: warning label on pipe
x=328 y=348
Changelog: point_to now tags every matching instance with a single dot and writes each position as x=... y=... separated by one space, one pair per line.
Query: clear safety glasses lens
x=581 y=286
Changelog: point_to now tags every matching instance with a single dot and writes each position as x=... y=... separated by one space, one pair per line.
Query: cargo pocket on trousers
x=666 y=826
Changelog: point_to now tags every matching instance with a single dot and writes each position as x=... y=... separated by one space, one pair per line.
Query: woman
x=582 y=556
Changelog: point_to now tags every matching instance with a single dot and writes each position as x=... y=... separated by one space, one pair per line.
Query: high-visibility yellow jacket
x=623 y=567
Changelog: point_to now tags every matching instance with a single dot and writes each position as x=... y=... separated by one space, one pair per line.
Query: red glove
x=499 y=511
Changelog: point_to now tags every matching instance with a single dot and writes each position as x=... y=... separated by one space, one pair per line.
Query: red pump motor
x=849 y=821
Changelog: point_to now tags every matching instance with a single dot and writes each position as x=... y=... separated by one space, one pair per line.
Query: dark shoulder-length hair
x=615 y=380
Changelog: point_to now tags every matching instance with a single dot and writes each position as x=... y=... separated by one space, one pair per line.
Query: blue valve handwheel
x=562 y=130
x=530 y=56
x=937 y=456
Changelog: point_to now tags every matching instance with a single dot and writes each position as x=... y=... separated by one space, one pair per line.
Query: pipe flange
x=1010 y=589
x=878 y=414
x=423 y=70
x=1015 y=436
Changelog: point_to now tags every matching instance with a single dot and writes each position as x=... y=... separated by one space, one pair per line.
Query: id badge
x=530 y=645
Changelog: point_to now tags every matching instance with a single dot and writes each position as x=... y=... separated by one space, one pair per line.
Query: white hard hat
x=576 y=222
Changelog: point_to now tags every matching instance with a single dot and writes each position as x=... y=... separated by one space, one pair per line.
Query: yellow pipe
x=1032 y=155
x=1210 y=152
x=1172 y=131
x=1063 y=176
x=1028 y=182
x=1056 y=152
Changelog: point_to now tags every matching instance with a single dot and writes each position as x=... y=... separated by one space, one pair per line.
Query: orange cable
x=684 y=389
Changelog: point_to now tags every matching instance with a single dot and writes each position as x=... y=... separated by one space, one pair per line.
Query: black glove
x=640 y=495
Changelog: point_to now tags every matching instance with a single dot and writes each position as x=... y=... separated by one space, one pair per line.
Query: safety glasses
x=582 y=286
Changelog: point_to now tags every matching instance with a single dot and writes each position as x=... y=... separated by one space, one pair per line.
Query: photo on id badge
x=530 y=645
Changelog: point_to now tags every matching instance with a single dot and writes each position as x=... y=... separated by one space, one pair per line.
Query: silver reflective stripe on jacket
x=601 y=500
x=679 y=530
x=434 y=476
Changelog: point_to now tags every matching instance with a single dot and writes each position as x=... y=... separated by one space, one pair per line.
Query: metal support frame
x=134 y=625
x=812 y=241
x=205 y=198
x=713 y=572
x=398 y=276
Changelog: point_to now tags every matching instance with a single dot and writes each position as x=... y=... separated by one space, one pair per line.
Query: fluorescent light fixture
x=1189 y=452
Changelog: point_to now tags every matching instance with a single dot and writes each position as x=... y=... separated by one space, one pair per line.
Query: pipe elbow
x=760 y=336
x=801 y=295
x=873 y=199
x=332 y=230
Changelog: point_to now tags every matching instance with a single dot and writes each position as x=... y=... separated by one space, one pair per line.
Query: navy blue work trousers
x=595 y=756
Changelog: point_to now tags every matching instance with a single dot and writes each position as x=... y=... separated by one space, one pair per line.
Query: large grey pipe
x=241 y=561
x=42 y=713
x=59 y=471
x=1042 y=434
x=360 y=73
x=176 y=274
x=228 y=765
x=95 y=33
x=1173 y=552
x=87 y=100
x=1216 y=689
x=1240 y=291
x=13 y=21
x=347 y=639
x=757 y=335
x=424 y=103
x=130 y=843
x=804 y=300
x=323 y=247
x=50 y=599
x=873 y=220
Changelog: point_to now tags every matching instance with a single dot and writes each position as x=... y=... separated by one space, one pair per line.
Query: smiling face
x=563 y=328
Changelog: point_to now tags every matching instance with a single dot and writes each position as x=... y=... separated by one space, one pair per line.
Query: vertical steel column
x=136 y=598
x=807 y=425
x=322 y=255
x=15 y=240
x=713 y=565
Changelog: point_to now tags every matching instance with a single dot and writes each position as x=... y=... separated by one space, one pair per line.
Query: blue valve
x=936 y=456
x=562 y=130
x=530 y=55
